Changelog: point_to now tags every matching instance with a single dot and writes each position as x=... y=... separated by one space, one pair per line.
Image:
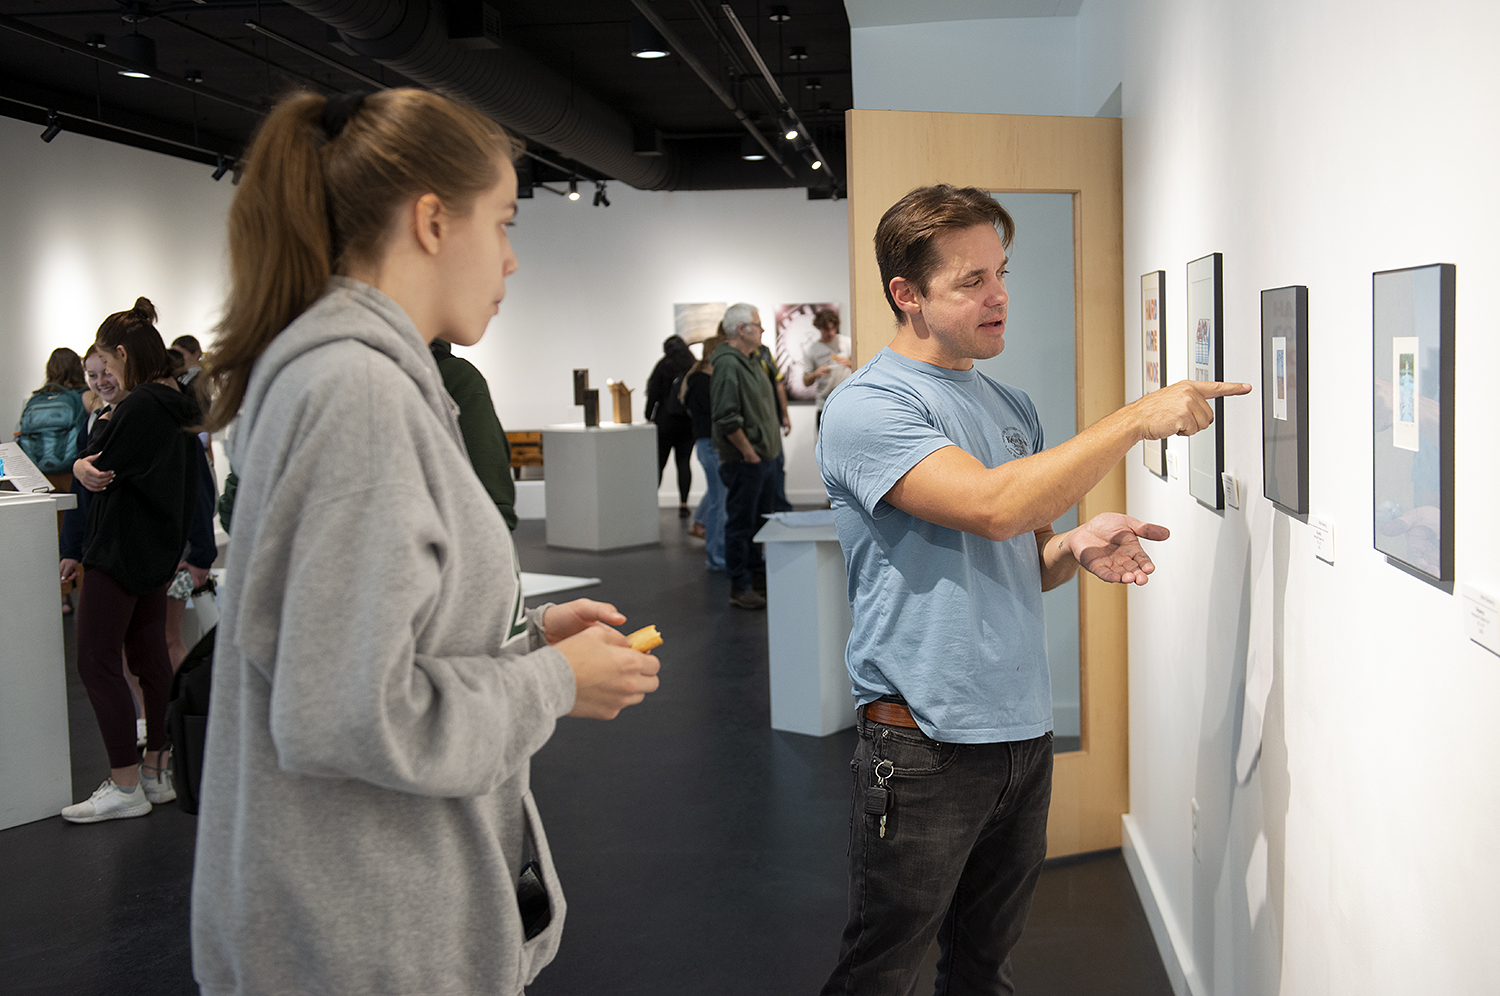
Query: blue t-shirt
x=950 y=621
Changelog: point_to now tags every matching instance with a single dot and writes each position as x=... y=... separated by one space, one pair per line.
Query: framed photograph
x=1413 y=418
x=1283 y=388
x=1205 y=318
x=794 y=334
x=697 y=321
x=1154 y=357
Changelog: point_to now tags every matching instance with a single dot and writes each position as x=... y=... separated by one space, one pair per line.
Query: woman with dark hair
x=674 y=428
x=379 y=684
x=142 y=471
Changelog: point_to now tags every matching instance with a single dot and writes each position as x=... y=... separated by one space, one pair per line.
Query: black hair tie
x=339 y=109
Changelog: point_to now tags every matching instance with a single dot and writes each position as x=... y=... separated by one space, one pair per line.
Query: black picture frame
x=1412 y=418
x=1154 y=357
x=1284 y=394
x=1205 y=356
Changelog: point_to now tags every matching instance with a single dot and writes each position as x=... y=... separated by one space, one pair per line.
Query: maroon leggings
x=108 y=616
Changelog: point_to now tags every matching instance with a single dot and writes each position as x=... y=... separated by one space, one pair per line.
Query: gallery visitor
x=664 y=408
x=944 y=498
x=379 y=684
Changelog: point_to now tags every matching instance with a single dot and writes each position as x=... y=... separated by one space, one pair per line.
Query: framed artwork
x=1205 y=319
x=1413 y=418
x=794 y=333
x=1154 y=357
x=696 y=322
x=1283 y=349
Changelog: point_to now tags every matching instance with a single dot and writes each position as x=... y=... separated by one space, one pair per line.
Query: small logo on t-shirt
x=1015 y=440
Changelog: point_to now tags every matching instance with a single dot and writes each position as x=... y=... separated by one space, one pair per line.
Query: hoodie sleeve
x=724 y=393
x=345 y=590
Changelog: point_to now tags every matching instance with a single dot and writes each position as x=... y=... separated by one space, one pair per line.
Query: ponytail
x=322 y=182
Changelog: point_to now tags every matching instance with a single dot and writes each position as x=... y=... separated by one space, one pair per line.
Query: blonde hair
x=322 y=182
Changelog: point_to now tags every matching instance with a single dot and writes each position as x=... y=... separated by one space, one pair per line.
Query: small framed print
x=1413 y=418
x=1205 y=319
x=1154 y=357
x=1284 y=443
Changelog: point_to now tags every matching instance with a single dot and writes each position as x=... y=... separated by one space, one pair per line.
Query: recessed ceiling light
x=780 y=13
x=645 y=41
x=798 y=53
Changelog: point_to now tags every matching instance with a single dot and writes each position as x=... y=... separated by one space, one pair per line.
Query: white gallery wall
x=1314 y=143
x=86 y=227
x=1311 y=143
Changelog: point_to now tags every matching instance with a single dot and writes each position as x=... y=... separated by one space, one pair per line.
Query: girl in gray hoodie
x=379 y=686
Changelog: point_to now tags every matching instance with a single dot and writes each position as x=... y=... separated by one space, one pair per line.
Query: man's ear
x=906 y=296
x=429 y=222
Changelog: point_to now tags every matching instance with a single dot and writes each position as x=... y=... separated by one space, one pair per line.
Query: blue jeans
x=965 y=837
x=747 y=498
x=710 y=509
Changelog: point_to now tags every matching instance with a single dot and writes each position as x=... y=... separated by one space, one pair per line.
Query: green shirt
x=484 y=437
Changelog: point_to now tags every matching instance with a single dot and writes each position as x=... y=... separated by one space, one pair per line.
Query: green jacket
x=743 y=398
x=484 y=437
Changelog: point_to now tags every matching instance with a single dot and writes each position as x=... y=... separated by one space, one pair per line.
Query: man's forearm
x=1057 y=561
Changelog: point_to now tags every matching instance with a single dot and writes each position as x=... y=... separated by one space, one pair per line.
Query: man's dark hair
x=906 y=236
x=187 y=343
x=825 y=317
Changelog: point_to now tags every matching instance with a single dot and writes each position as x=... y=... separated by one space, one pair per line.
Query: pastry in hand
x=645 y=639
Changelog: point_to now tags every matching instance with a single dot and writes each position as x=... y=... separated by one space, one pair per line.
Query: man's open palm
x=1109 y=547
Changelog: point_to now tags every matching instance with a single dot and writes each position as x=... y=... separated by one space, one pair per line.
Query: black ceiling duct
x=411 y=38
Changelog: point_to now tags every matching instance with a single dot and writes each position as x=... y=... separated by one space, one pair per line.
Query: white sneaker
x=140 y=732
x=109 y=802
x=158 y=782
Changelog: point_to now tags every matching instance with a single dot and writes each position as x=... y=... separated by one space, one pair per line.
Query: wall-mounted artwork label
x=1412 y=418
x=1482 y=618
x=1284 y=388
x=1404 y=371
x=1205 y=318
x=1154 y=357
x=1322 y=538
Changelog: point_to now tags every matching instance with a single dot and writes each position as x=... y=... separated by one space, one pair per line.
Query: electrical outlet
x=1195 y=829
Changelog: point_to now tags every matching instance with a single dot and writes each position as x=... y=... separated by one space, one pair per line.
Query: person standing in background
x=674 y=429
x=49 y=427
x=827 y=360
x=484 y=436
x=697 y=397
x=142 y=469
x=777 y=469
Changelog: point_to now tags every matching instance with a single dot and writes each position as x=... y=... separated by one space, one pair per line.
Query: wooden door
x=890 y=152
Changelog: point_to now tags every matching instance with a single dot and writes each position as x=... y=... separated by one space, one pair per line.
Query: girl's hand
x=571 y=618
x=94 y=480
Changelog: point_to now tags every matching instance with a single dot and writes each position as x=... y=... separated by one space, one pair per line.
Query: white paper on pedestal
x=1260 y=659
x=17 y=468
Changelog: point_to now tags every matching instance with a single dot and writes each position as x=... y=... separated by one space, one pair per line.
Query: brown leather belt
x=891 y=714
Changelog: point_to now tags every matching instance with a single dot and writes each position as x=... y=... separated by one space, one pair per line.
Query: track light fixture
x=54 y=128
x=225 y=165
x=645 y=41
x=573 y=189
x=139 y=49
x=601 y=199
x=789 y=129
x=812 y=159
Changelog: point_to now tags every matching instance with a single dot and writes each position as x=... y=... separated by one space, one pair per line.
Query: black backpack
x=187 y=720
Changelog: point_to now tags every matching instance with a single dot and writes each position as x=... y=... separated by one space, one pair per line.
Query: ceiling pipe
x=775 y=88
x=675 y=43
x=411 y=37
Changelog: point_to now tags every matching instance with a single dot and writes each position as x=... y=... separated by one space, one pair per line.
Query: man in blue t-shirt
x=944 y=499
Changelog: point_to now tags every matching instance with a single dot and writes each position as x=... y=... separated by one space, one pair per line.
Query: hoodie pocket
x=538 y=952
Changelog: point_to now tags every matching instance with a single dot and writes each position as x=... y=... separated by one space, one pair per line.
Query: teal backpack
x=49 y=429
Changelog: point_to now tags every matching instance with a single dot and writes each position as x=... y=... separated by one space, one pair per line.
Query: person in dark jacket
x=484 y=436
x=674 y=428
x=143 y=471
x=696 y=395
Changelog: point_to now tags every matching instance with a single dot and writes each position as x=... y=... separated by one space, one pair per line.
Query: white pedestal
x=808 y=616
x=35 y=762
x=600 y=492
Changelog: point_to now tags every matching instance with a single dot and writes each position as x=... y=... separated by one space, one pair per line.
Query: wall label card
x=1322 y=538
x=1413 y=418
x=1205 y=318
x=1231 y=491
x=1482 y=618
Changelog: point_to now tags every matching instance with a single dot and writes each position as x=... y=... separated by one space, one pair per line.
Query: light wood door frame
x=890 y=152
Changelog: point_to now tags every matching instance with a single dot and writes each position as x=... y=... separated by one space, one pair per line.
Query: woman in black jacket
x=674 y=429
x=143 y=472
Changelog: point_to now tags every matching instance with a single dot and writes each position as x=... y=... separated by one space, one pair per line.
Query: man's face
x=750 y=335
x=966 y=303
x=827 y=331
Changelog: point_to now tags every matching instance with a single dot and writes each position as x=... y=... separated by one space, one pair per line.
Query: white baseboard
x=1176 y=952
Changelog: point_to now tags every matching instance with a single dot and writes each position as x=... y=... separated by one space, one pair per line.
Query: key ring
x=890 y=769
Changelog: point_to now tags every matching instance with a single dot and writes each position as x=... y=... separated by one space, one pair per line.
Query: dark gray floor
x=701 y=851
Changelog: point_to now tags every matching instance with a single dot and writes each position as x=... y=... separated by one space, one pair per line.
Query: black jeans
x=965 y=837
x=747 y=497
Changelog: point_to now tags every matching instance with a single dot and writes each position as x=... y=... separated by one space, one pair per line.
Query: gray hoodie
x=378 y=687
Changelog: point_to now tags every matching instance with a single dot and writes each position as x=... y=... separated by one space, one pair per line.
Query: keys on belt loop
x=878 y=796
